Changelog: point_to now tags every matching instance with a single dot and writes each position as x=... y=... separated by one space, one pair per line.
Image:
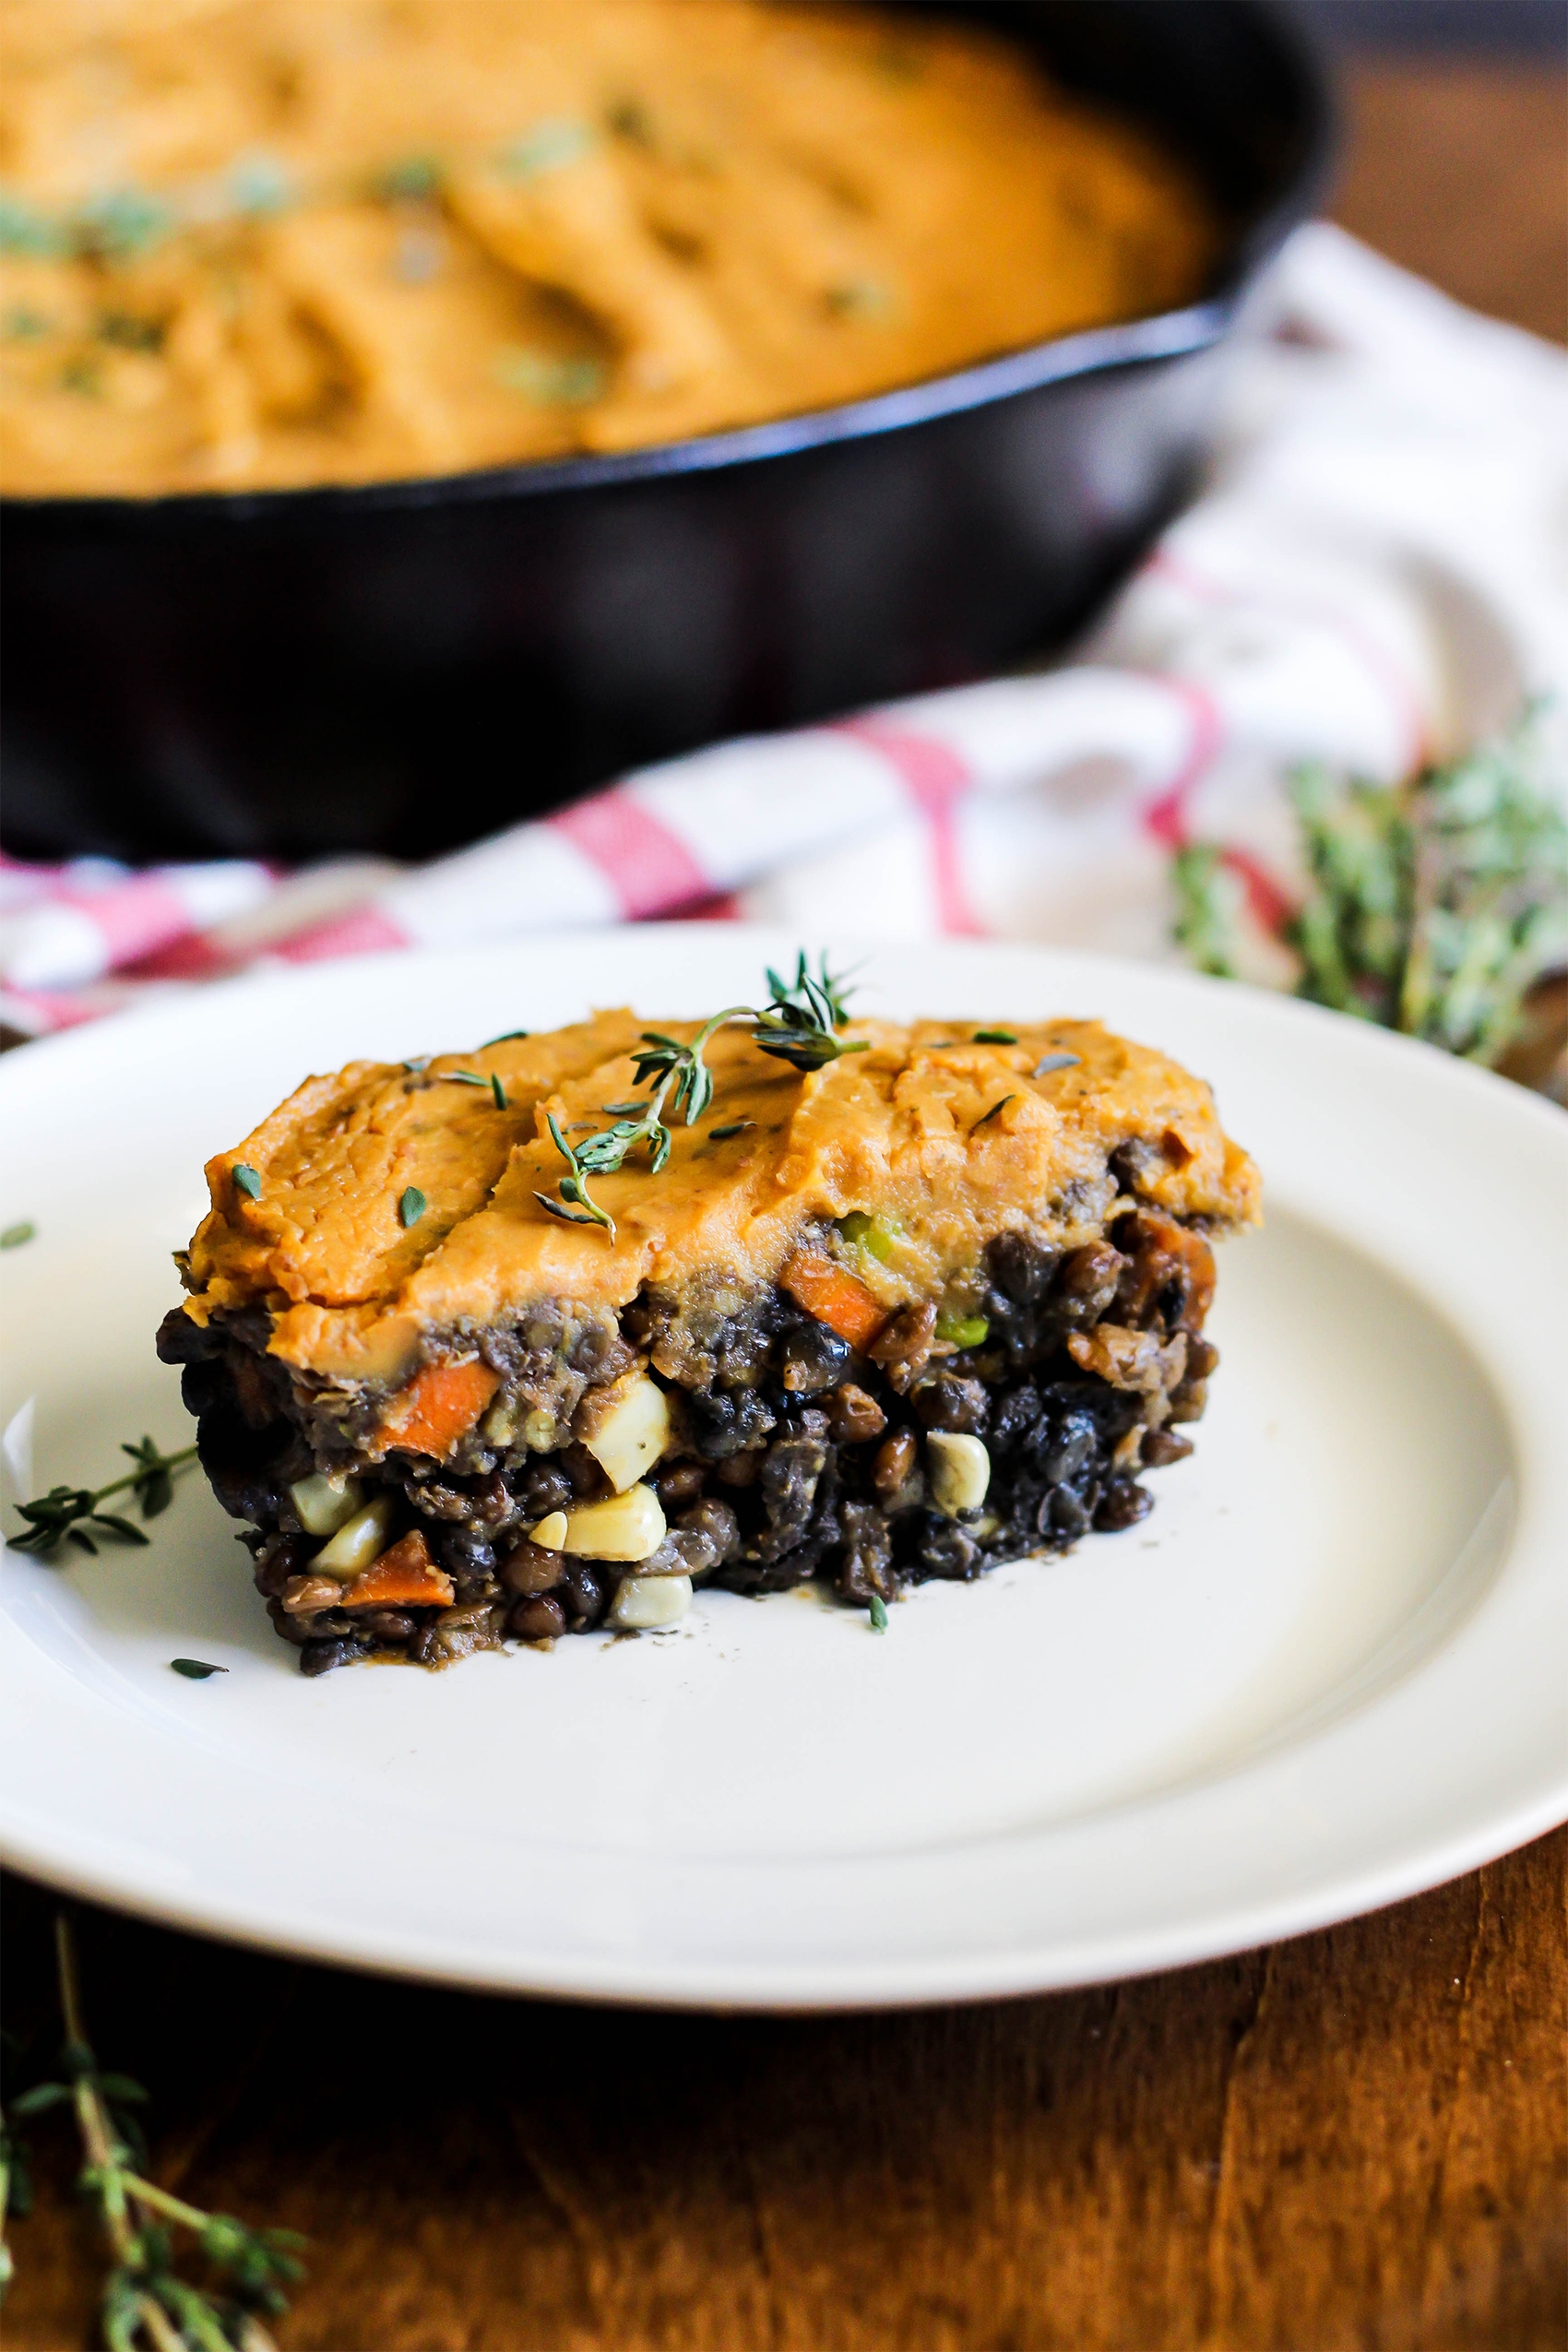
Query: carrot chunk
x=836 y=1298
x=437 y=1406
x=404 y=1578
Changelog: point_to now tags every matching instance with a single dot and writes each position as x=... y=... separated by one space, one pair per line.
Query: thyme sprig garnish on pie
x=799 y=1022
x=67 y=1513
x=419 y=1068
x=798 y=1025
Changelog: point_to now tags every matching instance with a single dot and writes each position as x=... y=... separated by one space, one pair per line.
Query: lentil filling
x=800 y=1459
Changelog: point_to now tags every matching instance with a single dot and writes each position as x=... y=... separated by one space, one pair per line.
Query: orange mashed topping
x=260 y=243
x=944 y=1140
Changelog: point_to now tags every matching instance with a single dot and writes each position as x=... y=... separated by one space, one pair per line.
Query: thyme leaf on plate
x=195 y=1670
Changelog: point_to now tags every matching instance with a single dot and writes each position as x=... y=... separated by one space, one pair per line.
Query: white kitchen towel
x=1376 y=572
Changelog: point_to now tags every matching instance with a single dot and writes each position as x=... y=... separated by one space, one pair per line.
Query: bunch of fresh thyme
x=1432 y=907
x=798 y=1025
x=146 y=2305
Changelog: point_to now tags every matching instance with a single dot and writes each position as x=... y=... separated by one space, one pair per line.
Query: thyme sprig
x=804 y=1010
x=16 y=2179
x=678 y=1073
x=146 y=2306
x=798 y=1025
x=1210 y=906
x=66 y=1513
x=1432 y=907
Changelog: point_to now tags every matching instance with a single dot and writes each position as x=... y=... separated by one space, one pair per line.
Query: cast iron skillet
x=400 y=667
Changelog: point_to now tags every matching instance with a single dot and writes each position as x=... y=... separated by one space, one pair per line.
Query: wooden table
x=1354 y=2140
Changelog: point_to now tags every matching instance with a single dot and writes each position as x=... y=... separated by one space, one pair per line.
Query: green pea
x=876 y=1235
x=962 y=1331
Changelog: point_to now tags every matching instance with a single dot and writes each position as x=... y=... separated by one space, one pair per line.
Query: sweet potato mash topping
x=895 y=1167
x=261 y=243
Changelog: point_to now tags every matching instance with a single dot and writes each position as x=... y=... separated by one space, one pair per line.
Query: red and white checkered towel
x=1374 y=575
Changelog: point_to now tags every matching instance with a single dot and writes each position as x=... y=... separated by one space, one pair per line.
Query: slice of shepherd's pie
x=534 y=1339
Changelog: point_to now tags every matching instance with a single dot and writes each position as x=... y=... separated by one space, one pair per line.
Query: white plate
x=1326 y=1672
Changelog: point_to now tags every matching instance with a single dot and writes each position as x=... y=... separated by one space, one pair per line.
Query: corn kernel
x=323 y=1504
x=624 y=1526
x=959 y=1469
x=357 y=1542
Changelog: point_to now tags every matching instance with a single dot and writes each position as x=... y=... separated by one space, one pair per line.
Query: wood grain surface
x=1459 y=169
x=1353 y=2141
